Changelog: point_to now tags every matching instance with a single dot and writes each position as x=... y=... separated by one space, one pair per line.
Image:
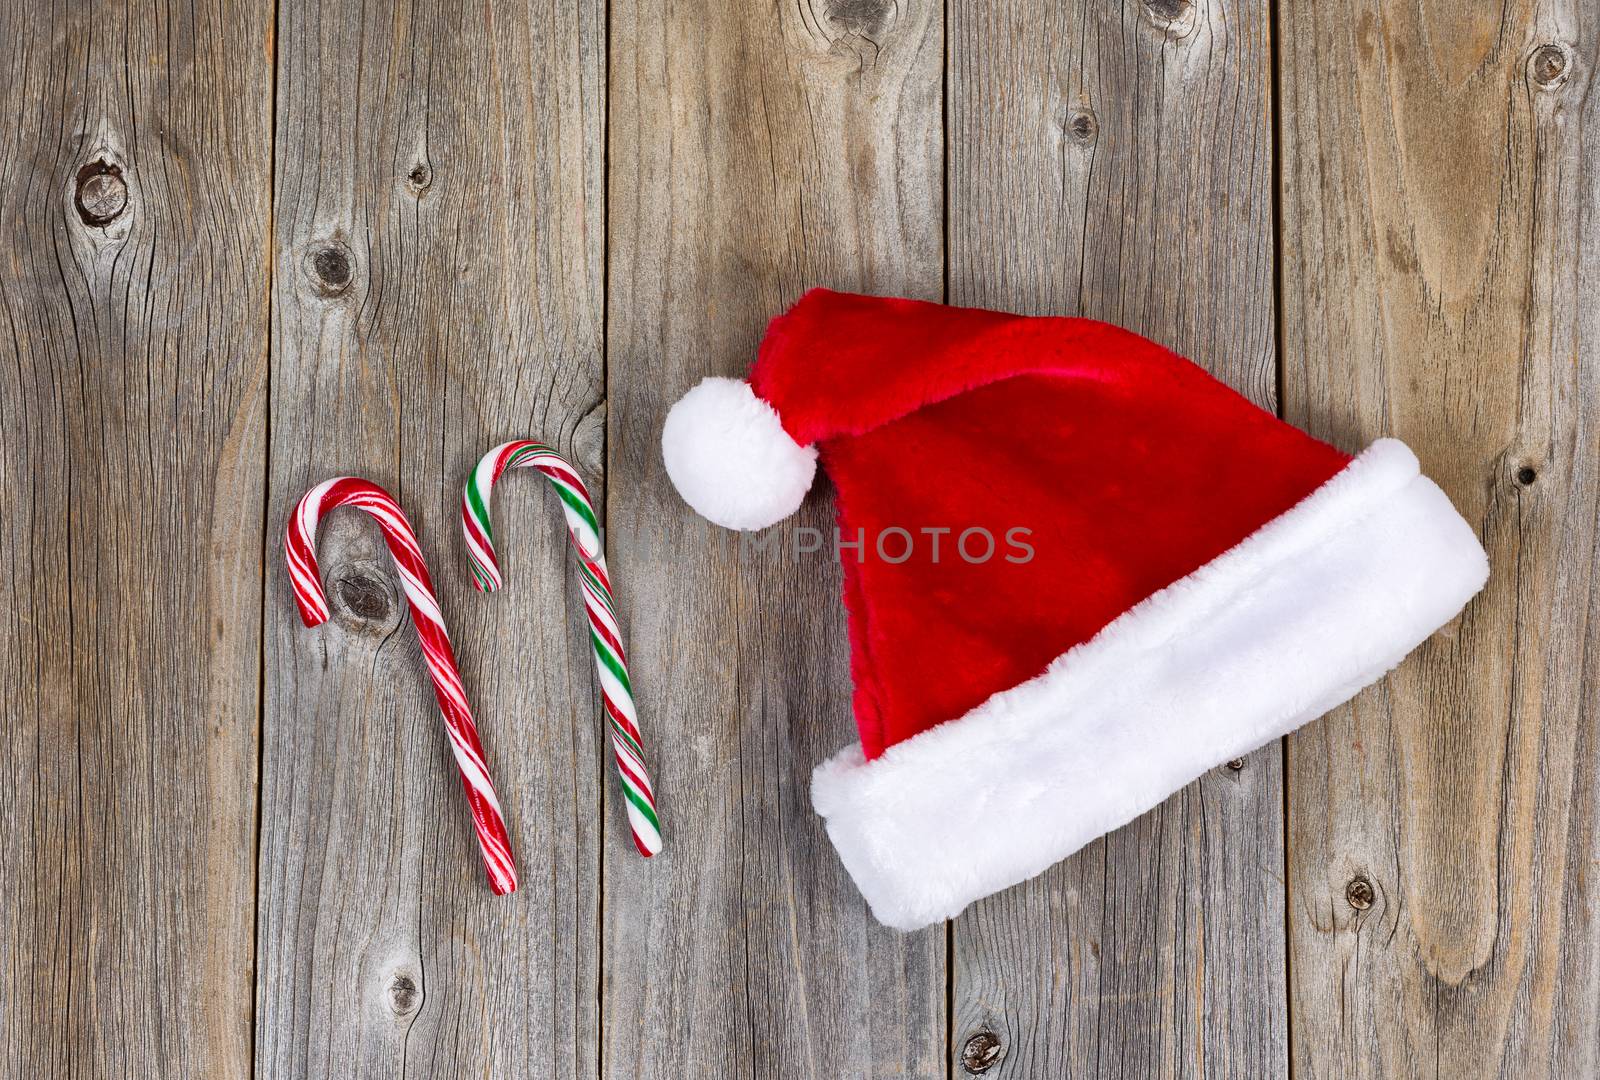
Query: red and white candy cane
x=604 y=634
x=300 y=547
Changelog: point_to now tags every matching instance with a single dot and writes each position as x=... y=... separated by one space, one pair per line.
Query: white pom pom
x=730 y=459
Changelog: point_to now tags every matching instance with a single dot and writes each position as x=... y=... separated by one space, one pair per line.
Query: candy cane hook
x=300 y=548
x=604 y=634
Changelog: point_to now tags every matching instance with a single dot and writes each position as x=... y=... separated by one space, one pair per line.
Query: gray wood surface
x=439 y=271
x=246 y=249
x=133 y=216
x=754 y=151
x=1114 y=161
x=1440 y=273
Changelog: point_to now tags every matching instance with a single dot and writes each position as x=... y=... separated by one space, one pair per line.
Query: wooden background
x=244 y=247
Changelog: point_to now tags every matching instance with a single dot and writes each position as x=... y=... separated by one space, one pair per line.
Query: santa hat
x=1087 y=572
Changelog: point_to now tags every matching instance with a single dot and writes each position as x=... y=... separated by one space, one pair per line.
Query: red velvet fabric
x=1129 y=466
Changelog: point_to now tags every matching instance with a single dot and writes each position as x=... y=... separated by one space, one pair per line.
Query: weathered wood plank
x=1440 y=183
x=1115 y=161
x=133 y=338
x=756 y=150
x=439 y=289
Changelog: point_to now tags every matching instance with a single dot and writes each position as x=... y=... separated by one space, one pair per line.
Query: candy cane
x=615 y=689
x=300 y=548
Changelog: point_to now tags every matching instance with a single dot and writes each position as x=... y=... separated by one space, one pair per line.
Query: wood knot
x=102 y=193
x=1359 y=893
x=364 y=598
x=330 y=268
x=403 y=995
x=333 y=267
x=856 y=31
x=981 y=1052
x=420 y=178
x=1236 y=764
x=869 y=18
x=1082 y=127
x=1173 y=16
x=1527 y=475
x=1548 y=66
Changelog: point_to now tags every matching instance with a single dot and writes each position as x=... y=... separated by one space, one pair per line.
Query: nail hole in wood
x=102 y=193
x=1526 y=475
x=1549 y=66
x=981 y=1052
x=1358 y=893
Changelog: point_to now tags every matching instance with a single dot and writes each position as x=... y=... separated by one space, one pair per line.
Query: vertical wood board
x=439 y=290
x=134 y=217
x=1440 y=279
x=756 y=151
x=1115 y=162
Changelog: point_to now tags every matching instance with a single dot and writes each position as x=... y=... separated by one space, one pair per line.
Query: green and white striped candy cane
x=615 y=689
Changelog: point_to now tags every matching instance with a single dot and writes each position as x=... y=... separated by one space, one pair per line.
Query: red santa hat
x=1087 y=572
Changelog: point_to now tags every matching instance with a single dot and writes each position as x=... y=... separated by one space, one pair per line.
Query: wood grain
x=1115 y=161
x=756 y=150
x=244 y=250
x=1440 y=273
x=438 y=290
x=133 y=338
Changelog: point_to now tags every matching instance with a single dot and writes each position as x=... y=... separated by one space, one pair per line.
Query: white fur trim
x=1296 y=619
x=730 y=459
